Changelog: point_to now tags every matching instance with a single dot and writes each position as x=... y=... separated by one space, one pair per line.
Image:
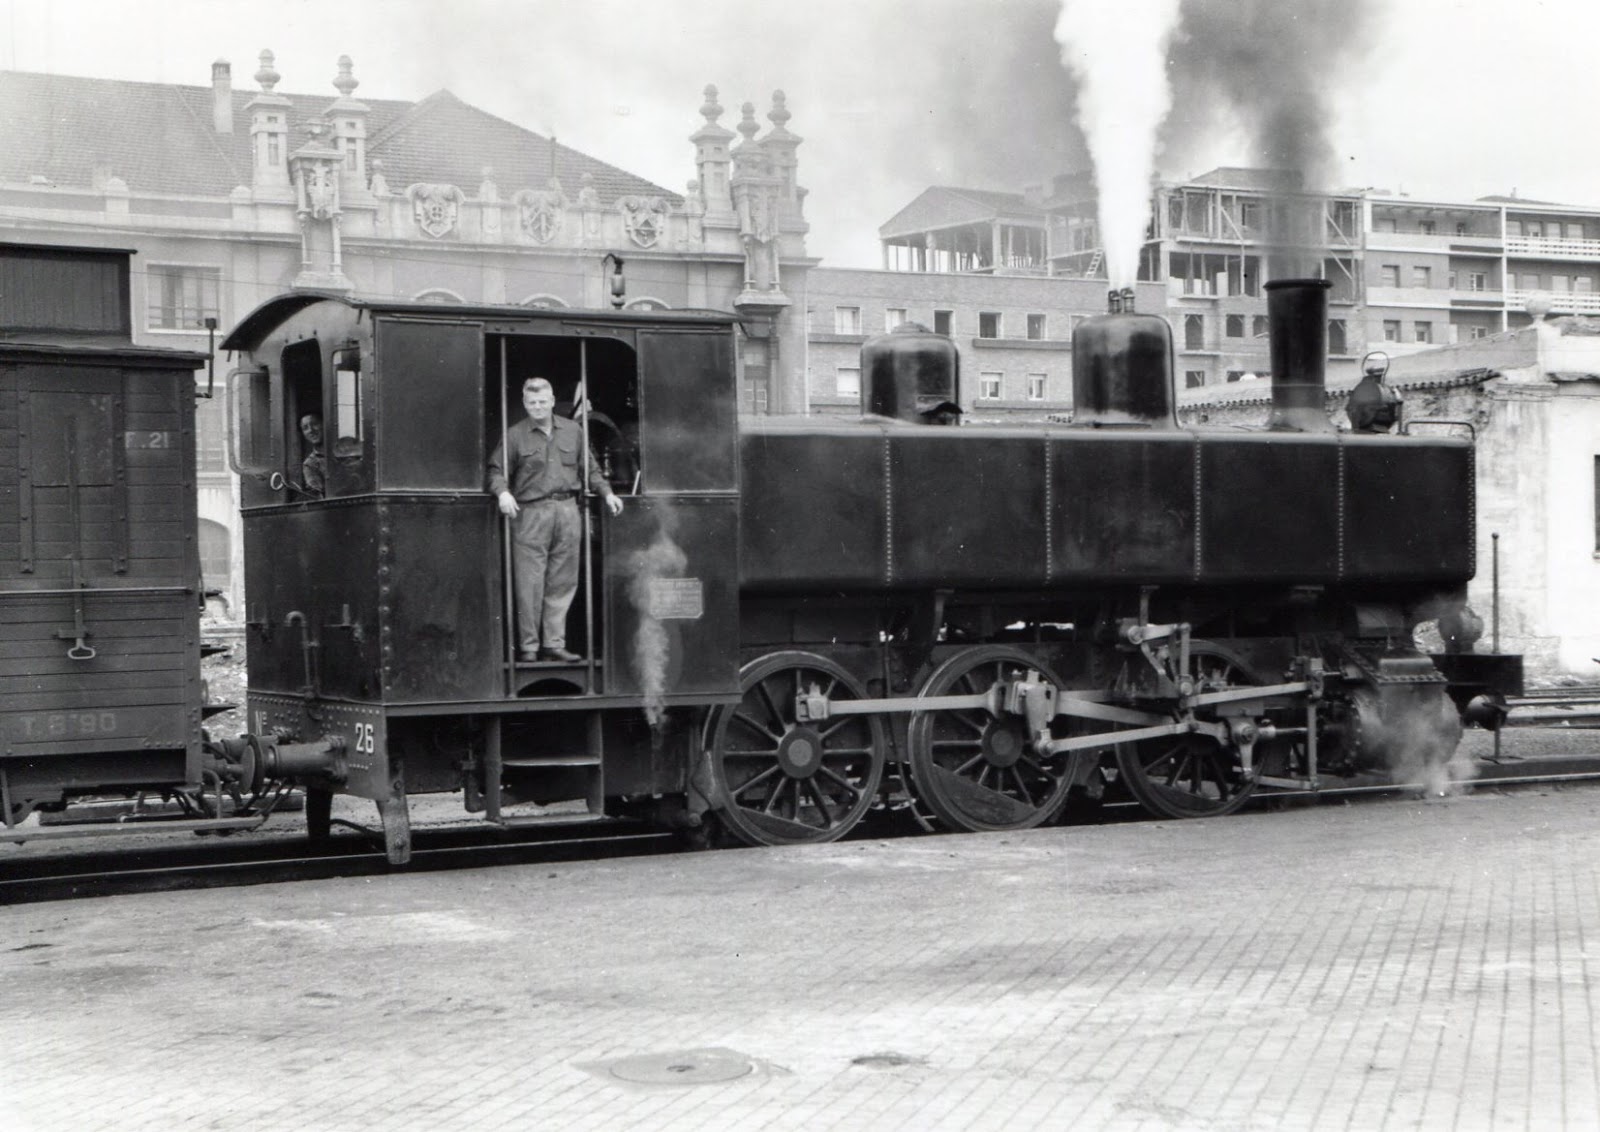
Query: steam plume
x=1417 y=735
x=1119 y=54
x=652 y=645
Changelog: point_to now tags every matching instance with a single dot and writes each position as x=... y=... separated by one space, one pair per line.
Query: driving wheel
x=780 y=781
x=977 y=771
x=1193 y=775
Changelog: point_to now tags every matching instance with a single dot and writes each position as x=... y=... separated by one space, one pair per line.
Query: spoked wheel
x=782 y=782
x=977 y=771
x=1193 y=775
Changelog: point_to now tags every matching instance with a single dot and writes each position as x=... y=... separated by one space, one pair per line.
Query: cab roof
x=253 y=329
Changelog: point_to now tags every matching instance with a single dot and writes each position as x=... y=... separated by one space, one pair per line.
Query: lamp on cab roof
x=619 y=285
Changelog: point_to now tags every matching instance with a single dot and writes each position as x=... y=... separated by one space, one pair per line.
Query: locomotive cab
x=380 y=593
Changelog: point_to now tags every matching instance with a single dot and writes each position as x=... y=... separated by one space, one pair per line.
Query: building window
x=215 y=544
x=1582 y=284
x=210 y=436
x=1035 y=327
x=1336 y=342
x=1384 y=224
x=1574 y=230
x=989 y=386
x=1258 y=326
x=1461 y=228
x=988 y=324
x=847 y=320
x=847 y=381
x=1558 y=283
x=1036 y=382
x=941 y=323
x=1194 y=332
x=182 y=298
x=1422 y=277
x=1391 y=275
x=756 y=397
x=1235 y=374
x=1513 y=227
x=893 y=317
x=1234 y=327
x=1477 y=280
x=1426 y=227
x=1391 y=330
x=1476 y=332
x=1422 y=332
x=544 y=302
x=439 y=295
x=1194 y=378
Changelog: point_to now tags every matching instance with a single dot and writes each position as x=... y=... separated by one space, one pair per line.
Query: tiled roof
x=159 y=138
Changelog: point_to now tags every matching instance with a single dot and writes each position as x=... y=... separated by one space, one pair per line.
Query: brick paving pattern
x=1383 y=965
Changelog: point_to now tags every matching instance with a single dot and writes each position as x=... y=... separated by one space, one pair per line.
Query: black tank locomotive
x=793 y=621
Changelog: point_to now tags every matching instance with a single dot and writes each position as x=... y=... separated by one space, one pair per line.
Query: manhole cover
x=690 y=1067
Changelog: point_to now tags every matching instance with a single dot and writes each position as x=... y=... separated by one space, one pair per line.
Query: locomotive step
x=523 y=821
x=578 y=666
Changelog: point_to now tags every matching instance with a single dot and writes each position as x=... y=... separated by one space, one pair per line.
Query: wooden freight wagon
x=99 y=565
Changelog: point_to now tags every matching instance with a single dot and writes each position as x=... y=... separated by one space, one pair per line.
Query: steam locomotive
x=791 y=621
x=794 y=619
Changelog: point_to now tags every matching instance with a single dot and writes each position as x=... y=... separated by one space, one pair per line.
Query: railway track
x=358 y=851
x=215 y=863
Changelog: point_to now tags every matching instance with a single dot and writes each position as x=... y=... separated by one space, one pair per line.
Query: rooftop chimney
x=222 y=96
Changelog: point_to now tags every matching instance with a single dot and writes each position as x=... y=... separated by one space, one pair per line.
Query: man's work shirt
x=544 y=464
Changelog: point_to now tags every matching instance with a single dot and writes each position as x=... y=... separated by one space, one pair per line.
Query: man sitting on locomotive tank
x=537 y=479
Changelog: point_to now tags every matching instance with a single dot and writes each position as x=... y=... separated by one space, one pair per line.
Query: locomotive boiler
x=793 y=621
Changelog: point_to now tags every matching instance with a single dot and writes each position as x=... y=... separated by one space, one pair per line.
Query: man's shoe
x=561 y=655
x=526 y=657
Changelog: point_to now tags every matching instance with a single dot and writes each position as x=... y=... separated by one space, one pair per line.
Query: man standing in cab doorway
x=537 y=476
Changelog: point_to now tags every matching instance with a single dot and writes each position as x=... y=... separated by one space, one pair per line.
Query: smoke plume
x=1119 y=54
x=652 y=645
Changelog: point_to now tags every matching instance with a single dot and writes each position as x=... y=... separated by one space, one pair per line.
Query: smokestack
x=1297 y=325
x=222 y=96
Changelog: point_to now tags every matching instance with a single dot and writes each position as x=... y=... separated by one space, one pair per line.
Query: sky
x=1443 y=99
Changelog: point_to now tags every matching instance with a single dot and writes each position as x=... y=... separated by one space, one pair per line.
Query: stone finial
x=747 y=124
x=779 y=114
x=346 y=82
x=380 y=183
x=711 y=110
x=266 y=76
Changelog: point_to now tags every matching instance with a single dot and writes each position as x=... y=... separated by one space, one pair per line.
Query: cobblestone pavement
x=1386 y=964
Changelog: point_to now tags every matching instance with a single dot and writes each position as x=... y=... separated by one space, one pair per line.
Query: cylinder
x=1297 y=326
x=1122 y=372
x=909 y=371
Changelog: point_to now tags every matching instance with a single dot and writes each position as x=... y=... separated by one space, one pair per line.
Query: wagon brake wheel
x=779 y=781
x=1193 y=775
x=975 y=771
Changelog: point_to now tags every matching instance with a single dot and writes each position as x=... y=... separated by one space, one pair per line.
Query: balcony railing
x=1545 y=248
x=1562 y=302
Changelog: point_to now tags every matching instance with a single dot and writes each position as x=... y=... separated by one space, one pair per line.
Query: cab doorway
x=594 y=382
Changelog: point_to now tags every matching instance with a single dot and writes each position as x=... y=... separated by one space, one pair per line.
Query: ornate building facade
x=229 y=197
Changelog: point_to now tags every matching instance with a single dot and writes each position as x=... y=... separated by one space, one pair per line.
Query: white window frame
x=154 y=272
x=991 y=385
x=999 y=324
x=1042 y=324
x=1038 y=383
x=843 y=378
x=893 y=317
x=847 y=320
